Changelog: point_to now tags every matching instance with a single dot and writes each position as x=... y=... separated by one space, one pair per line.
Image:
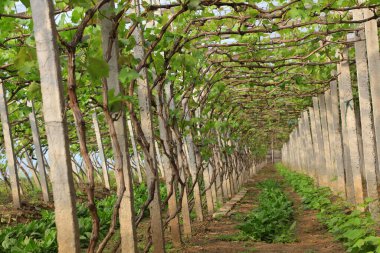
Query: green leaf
x=114 y=101
x=34 y=90
x=25 y=61
x=97 y=68
x=76 y=14
x=194 y=5
x=26 y=3
x=127 y=75
x=83 y=3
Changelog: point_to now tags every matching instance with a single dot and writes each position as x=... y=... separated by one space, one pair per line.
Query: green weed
x=272 y=220
x=356 y=229
x=39 y=236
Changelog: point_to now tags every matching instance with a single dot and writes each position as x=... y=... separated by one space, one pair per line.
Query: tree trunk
x=181 y=166
x=194 y=176
x=80 y=125
x=219 y=179
x=169 y=173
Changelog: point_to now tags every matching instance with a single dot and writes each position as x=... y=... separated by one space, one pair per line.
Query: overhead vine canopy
x=255 y=63
x=228 y=75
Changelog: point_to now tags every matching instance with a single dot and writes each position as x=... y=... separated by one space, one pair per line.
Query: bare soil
x=31 y=207
x=311 y=236
x=10 y=216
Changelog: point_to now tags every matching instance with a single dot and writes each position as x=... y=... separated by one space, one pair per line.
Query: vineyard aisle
x=214 y=235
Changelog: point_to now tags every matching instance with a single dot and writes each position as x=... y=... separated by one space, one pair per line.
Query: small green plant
x=218 y=205
x=272 y=220
x=168 y=245
x=356 y=229
x=193 y=216
x=238 y=217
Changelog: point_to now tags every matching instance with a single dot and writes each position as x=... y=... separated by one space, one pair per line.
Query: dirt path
x=311 y=236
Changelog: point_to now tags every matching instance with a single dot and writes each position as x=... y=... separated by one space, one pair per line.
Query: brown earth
x=10 y=216
x=311 y=236
x=31 y=207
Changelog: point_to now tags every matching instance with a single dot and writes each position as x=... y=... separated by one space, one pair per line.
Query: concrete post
x=9 y=149
x=39 y=154
x=56 y=127
x=349 y=123
x=367 y=127
x=322 y=161
x=101 y=151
